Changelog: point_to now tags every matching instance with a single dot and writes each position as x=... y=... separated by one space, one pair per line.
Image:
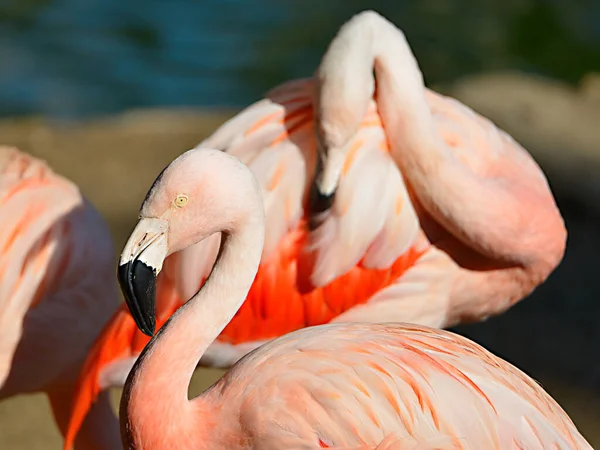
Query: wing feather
x=35 y=204
x=372 y=219
x=421 y=385
x=265 y=137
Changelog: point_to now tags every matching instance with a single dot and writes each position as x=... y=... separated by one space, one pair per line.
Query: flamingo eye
x=181 y=201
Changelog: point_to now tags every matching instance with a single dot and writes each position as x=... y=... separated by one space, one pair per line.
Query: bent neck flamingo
x=57 y=289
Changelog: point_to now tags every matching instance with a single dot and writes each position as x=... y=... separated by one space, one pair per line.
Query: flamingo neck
x=401 y=96
x=345 y=86
x=155 y=410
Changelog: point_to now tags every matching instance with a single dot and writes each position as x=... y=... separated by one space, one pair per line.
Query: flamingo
x=342 y=386
x=57 y=288
x=355 y=232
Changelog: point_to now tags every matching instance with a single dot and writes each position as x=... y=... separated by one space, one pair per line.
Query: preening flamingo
x=340 y=386
x=460 y=229
x=57 y=288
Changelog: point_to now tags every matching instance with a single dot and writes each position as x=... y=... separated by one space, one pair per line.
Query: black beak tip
x=149 y=329
x=138 y=284
x=148 y=332
x=318 y=204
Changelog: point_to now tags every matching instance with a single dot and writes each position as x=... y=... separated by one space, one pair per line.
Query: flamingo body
x=56 y=288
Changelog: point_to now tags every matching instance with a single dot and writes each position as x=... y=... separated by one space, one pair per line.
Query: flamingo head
x=202 y=192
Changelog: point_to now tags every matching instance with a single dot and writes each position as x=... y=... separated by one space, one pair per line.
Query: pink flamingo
x=339 y=386
x=56 y=288
x=390 y=244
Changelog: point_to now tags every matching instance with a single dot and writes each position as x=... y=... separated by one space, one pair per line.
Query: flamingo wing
x=385 y=382
x=56 y=266
x=372 y=220
x=46 y=239
x=32 y=200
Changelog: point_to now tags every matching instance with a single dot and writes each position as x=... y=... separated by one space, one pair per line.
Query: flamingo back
x=359 y=384
x=56 y=261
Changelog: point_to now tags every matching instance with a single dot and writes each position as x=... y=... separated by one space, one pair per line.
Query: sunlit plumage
x=57 y=287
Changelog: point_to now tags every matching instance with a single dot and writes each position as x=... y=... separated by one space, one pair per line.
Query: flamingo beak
x=141 y=262
x=329 y=168
x=323 y=189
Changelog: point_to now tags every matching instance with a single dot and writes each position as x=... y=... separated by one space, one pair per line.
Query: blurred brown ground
x=556 y=340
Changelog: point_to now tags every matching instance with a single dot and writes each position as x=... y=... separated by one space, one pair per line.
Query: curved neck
x=400 y=93
x=454 y=193
x=345 y=86
x=156 y=392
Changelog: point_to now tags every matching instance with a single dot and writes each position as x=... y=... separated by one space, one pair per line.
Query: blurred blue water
x=100 y=56
x=70 y=58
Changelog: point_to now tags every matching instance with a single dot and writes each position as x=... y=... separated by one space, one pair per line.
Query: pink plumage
x=56 y=287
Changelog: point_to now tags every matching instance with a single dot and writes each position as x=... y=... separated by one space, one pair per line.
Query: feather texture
x=400 y=385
